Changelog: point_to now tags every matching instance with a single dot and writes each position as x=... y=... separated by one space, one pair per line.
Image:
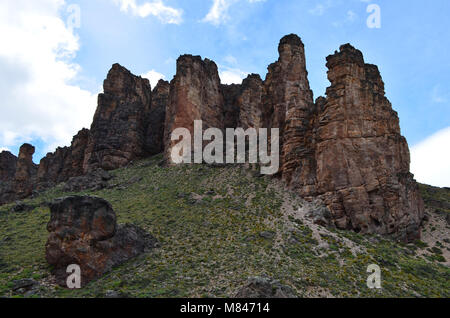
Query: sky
x=55 y=54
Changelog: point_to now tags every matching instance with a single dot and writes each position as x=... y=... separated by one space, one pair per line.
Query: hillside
x=218 y=226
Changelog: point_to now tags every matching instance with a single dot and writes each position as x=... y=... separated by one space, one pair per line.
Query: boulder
x=84 y=232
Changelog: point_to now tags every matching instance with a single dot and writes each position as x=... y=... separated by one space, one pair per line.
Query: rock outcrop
x=26 y=172
x=195 y=94
x=84 y=232
x=345 y=148
x=252 y=113
x=362 y=160
x=290 y=101
x=154 y=138
x=64 y=163
x=8 y=163
x=118 y=131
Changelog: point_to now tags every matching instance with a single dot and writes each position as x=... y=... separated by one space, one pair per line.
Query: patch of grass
x=208 y=221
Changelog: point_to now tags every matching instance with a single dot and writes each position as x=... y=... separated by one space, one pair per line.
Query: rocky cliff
x=345 y=148
x=120 y=123
x=362 y=159
x=194 y=95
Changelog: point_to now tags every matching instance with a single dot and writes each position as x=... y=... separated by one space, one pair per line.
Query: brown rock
x=84 y=232
x=64 y=163
x=194 y=95
x=26 y=171
x=362 y=160
x=156 y=118
x=291 y=99
x=230 y=94
x=8 y=163
x=252 y=113
x=8 y=166
x=118 y=132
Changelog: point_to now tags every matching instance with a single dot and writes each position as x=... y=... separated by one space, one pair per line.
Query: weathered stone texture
x=291 y=99
x=118 y=131
x=345 y=148
x=154 y=142
x=64 y=163
x=195 y=94
x=362 y=160
x=8 y=163
x=26 y=171
x=84 y=232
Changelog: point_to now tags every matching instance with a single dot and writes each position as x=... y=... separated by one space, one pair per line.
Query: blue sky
x=411 y=49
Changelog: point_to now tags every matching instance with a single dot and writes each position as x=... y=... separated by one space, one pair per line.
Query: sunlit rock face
x=290 y=101
x=118 y=131
x=345 y=148
x=195 y=94
x=362 y=160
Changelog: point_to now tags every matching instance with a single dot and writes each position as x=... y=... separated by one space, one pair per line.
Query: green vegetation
x=436 y=198
x=209 y=222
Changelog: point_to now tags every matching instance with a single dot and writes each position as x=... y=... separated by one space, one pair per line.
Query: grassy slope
x=211 y=243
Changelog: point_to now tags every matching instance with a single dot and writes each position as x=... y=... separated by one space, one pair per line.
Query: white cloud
x=351 y=16
x=437 y=96
x=232 y=76
x=320 y=8
x=154 y=77
x=39 y=99
x=4 y=149
x=155 y=8
x=430 y=159
x=230 y=59
x=218 y=14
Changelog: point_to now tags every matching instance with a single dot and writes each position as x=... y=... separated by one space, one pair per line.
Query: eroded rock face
x=64 y=163
x=118 y=131
x=345 y=148
x=195 y=94
x=83 y=231
x=8 y=163
x=362 y=160
x=156 y=118
x=26 y=171
x=252 y=113
x=291 y=100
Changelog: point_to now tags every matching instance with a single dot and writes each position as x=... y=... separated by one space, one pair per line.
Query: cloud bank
x=37 y=75
x=430 y=159
x=156 y=8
